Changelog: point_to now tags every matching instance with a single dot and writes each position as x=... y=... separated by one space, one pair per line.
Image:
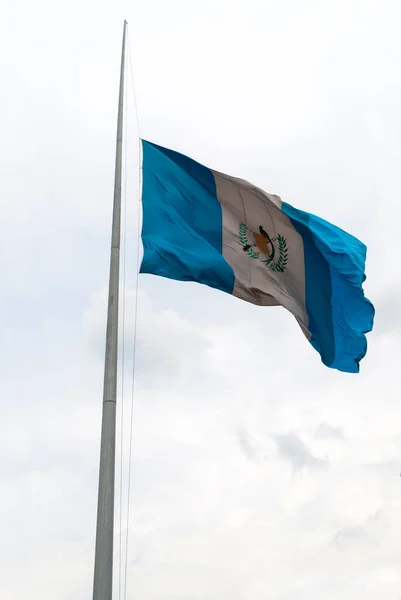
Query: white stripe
x=254 y=281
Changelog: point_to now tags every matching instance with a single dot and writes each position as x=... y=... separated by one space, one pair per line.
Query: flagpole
x=103 y=574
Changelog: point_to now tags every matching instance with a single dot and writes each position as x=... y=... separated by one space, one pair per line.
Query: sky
x=256 y=471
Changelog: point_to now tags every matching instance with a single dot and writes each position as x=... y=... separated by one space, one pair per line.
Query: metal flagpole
x=103 y=576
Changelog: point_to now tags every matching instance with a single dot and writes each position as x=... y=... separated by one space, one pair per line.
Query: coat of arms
x=273 y=252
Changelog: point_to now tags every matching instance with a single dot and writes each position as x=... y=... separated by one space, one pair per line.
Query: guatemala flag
x=200 y=225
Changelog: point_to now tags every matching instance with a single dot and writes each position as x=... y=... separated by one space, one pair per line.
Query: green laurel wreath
x=280 y=265
x=244 y=241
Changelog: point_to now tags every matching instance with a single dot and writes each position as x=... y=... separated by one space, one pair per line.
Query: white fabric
x=254 y=281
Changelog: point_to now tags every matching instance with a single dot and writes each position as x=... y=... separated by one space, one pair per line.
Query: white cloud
x=325 y=431
x=293 y=449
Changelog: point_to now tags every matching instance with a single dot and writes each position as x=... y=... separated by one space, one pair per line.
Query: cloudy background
x=257 y=472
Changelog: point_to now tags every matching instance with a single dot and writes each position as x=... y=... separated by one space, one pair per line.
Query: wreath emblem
x=264 y=248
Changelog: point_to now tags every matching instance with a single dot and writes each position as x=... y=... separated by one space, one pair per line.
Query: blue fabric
x=182 y=220
x=339 y=314
x=182 y=238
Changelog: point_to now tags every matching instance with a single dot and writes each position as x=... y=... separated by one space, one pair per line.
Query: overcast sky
x=257 y=472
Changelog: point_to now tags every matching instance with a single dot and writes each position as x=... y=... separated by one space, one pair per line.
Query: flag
x=201 y=225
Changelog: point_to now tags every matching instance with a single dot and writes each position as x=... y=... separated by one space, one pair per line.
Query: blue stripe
x=339 y=314
x=182 y=220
